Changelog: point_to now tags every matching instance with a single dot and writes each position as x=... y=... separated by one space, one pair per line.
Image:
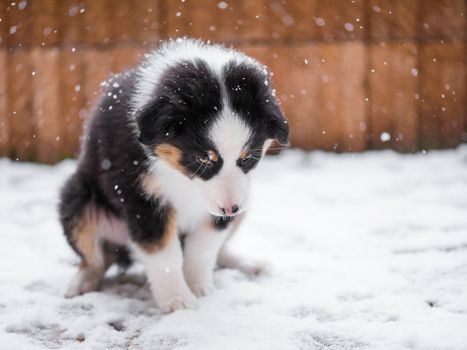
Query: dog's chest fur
x=176 y=190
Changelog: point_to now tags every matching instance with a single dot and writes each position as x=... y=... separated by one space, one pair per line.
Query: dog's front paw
x=82 y=283
x=201 y=289
x=178 y=302
x=254 y=268
x=229 y=260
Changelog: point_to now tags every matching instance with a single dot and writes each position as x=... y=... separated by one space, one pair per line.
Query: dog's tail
x=76 y=195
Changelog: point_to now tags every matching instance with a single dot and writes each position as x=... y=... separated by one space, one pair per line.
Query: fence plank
x=4 y=125
x=72 y=101
x=214 y=20
x=253 y=19
x=393 y=19
x=21 y=120
x=3 y=24
x=394 y=104
x=97 y=68
x=203 y=19
x=443 y=100
x=71 y=20
x=121 y=22
x=143 y=26
x=46 y=25
x=19 y=19
x=124 y=58
x=97 y=21
x=147 y=21
x=46 y=105
x=443 y=19
x=291 y=19
x=345 y=66
x=337 y=19
x=322 y=93
x=298 y=93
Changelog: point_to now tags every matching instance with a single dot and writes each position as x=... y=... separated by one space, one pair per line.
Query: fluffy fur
x=168 y=152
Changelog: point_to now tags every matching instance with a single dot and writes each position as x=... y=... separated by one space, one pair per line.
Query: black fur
x=221 y=222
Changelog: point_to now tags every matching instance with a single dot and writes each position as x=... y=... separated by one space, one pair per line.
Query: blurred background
x=351 y=75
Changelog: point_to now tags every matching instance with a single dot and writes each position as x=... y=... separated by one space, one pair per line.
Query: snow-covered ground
x=367 y=251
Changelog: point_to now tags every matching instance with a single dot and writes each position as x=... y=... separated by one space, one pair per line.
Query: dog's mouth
x=226 y=215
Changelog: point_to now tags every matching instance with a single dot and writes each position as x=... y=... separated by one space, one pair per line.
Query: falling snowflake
x=320 y=22
x=222 y=5
x=385 y=136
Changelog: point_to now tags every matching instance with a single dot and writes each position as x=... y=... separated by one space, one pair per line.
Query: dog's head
x=213 y=127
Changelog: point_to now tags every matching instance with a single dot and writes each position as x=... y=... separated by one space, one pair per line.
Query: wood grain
x=321 y=88
x=443 y=95
x=46 y=22
x=393 y=19
x=46 y=105
x=346 y=71
x=394 y=104
x=23 y=138
x=442 y=20
x=4 y=124
x=72 y=101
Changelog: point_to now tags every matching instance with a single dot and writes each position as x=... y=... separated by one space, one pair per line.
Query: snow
x=366 y=251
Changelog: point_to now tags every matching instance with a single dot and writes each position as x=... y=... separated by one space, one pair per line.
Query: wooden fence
x=351 y=74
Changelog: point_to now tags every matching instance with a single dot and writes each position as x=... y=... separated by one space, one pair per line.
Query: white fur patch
x=230 y=134
x=201 y=250
x=178 y=190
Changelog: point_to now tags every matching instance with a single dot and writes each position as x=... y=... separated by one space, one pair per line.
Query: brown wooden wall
x=351 y=74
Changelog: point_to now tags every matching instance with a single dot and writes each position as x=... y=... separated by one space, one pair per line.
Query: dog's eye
x=212 y=157
x=203 y=160
x=245 y=157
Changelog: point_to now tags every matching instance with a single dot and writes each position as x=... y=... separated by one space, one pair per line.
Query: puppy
x=168 y=153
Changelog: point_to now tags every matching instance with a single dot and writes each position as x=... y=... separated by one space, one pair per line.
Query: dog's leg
x=85 y=240
x=157 y=246
x=228 y=259
x=165 y=276
x=201 y=250
x=78 y=216
x=87 y=279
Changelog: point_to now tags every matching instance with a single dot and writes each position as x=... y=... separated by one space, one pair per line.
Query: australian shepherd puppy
x=164 y=168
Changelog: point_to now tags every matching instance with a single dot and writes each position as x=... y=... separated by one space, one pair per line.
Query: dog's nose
x=230 y=211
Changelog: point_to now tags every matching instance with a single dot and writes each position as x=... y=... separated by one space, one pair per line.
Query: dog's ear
x=156 y=121
x=278 y=126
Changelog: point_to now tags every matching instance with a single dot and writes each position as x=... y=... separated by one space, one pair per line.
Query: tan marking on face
x=169 y=234
x=244 y=154
x=171 y=155
x=86 y=239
